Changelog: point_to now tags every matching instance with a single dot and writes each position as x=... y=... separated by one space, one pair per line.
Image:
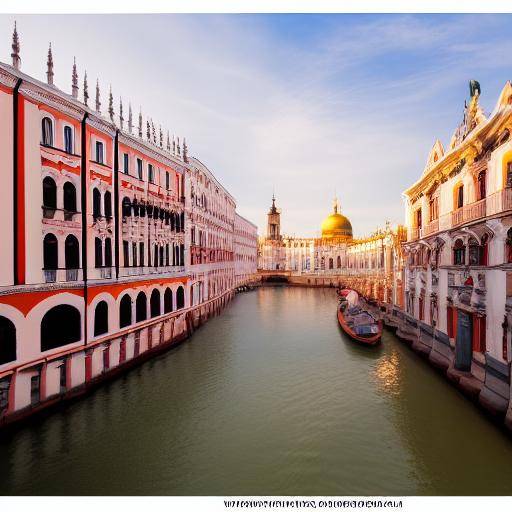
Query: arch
x=98 y=252
x=7 y=340
x=180 y=297
x=125 y=311
x=96 y=203
x=47 y=131
x=167 y=300
x=101 y=318
x=154 y=303
x=459 y=252
x=50 y=252
x=72 y=252
x=60 y=326
x=127 y=208
x=107 y=204
x=49 y=193
x=141 y=307
x=69 y=197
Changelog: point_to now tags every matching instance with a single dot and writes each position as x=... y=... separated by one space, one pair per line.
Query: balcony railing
x=414 y=234
x=431 y=227
x=62 y=275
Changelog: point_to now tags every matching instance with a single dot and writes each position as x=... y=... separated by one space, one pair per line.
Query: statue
x=474 y=88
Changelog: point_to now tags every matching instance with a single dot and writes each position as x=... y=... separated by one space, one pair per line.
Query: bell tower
x=274 y=222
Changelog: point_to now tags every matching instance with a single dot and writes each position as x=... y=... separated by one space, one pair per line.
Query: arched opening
x=331 y=264
x=478 y=252
x=50 y=252
x=47 y=132
x=7 y=341
x=60 y=326
x=180 y=297
x=69 y=197
x=108 y=252
x=459 y=253
x=71 y=250
x=154 y=303
x=98 y=253
x=182 y=222
x=127 y=208
x=49 y=197
x=101 y=318
x=125 y=311
x=141 y=310
x=96 y=203
x=481 y=185
x=168 y=300
x=338 y=262
x=107 y=202
x=508 y=243
x=458 y=196
x=177 y=222
x=68 y=140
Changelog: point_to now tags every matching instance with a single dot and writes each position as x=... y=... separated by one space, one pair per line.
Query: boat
x=356 y=322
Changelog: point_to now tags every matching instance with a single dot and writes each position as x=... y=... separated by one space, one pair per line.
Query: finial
x=86 y=89
x=335 y=204
x=49 y=66
x=161 y=134
x=74 y=80
x=140 y=123
x=178 y=146
x=185 y=150
x=98 y=102
x=168 y=142
x=173 y=145
x=16 y=61
x=121 y=118
x=130 y=118
x=111 y=104
x=153 y=131
x=148 y=130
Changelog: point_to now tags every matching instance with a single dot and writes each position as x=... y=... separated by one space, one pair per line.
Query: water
x=268 y=398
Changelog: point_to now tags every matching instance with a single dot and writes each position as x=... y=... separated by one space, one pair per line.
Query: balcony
x=469 y=213
x=430 y=228
x=413 y=234
x=62 y=275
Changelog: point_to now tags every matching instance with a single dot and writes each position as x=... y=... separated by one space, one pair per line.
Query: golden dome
x=336 y=225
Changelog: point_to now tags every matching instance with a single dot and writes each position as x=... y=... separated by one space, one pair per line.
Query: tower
x=274 y=222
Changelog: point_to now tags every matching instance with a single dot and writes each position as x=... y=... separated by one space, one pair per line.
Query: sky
x=306 y=106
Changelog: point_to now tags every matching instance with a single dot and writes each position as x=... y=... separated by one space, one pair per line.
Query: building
x=115 y=243
x=458 y=257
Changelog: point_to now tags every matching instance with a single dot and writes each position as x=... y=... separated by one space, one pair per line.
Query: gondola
x=357 y=323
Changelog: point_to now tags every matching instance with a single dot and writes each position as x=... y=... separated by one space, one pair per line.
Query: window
x=508 y=243
x=180 y=298
x=167 y=181
x=134 y=254
x=434 y=208
x=68 y=140
x=126 y=207
x=338 y=262
x=69 y=197
x=459 y=253
x=154 y=303
x=141 y=254
x=125 y=311
x=101 y=318
x=99 y=152
x=478 y=252
x=126 y=256
x=49 y=194
x=168 y=300
x=60 y=326
x=108 y=252
x=126 y=163
x=98 y=253
x=7 y=341
x=107 y=201
x=71 y=252
x=418 y=218
x=139 y=168
x=50 y=252
x=47 y=132
x=96 y=203
x=509 y=175
x=460 y=196
x=182 y=222
x=141 y=307
x=151 y=176
x=481 y=185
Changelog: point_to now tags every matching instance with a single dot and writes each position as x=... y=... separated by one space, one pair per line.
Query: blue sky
x=305 y=104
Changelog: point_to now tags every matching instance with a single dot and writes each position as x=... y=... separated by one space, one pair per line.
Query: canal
x=267 y=398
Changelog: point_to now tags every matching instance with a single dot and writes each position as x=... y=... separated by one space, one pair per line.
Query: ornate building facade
x=115 y=243
x=458 y=270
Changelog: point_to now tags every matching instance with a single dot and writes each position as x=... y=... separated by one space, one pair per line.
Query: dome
x=336 y=225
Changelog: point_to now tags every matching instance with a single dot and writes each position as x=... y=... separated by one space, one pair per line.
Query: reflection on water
x=268 y=398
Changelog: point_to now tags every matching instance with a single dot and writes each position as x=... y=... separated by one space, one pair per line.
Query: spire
x=185 y=150
x=16 y=61
x=148 y=130
x=86 y=90
x=140 y=123
x=153 y=131
x=178 y=146
x=335 y=204
x=161 y=136
x=130 y=118
x=98 y=102
x=111 y=104
x=121 y=118
x=49 y=66
x=74 y=80
x=168 y=142
x=173 y=145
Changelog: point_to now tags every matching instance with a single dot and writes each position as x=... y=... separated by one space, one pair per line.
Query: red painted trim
x=24 y=302
x=20 y=234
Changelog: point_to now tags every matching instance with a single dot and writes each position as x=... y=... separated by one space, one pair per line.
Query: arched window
x=99 y=152
x=101 y=318
x=177 y=222
x=459 y=197
x=47 y=132
x=71 y=251
x=98 y=253
x=173 y=221
x=338 y=262
x=459 y=253
x=141 y=311
x=482 y=192
x=50 y=252
x=478 y=252
x=107 y=201
x=125 y=311
x=154 y=303
x=135 y=205
x=68 y=139
x=331 y=264
x=60 y=326
x=108 y=252
x=182 y=221
x=49 y=193
x=7 y=341
x=156 y=212
x=96 y=203
x=127 y=208
x=508 y=242
x=168 y=300
x=69 y=197
x=180 y=298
